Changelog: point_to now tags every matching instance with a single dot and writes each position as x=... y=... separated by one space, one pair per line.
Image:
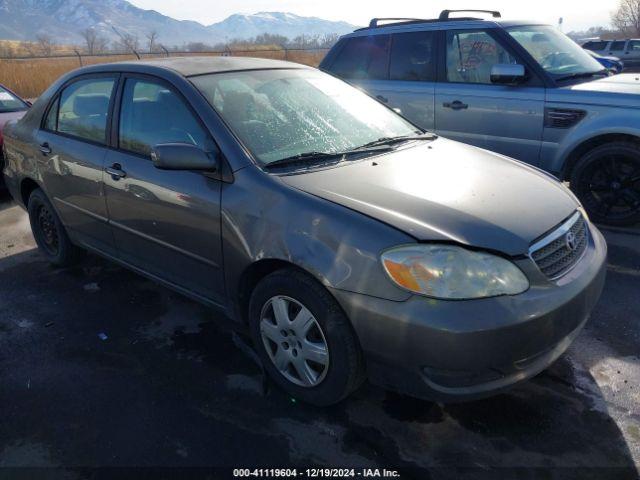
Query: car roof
x=196 y=65
x=454 y=23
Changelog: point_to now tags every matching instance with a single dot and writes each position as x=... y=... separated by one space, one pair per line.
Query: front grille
x=560 y=250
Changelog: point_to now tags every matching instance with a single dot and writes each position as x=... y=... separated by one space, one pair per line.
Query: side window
x=412 y=57
x=363 y=57
x=51 y=122
x=153 y=113
x=83 y=109
x=471 y=54
x=595 y=46
x=617 y=46
x=634 y=46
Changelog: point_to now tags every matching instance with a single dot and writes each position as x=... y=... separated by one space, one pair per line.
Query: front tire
x=49 y=233
x=607 y=182
x=305 y=341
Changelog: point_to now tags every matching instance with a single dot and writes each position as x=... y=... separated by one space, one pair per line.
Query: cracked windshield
x=282 y=113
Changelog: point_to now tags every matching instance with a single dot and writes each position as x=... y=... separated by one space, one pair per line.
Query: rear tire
x=49 y=233
x=332 y=366
x=607 y=182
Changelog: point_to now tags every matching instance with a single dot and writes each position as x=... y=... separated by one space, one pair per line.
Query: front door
x=72 y=150
x=469 y=108
x=165 y=223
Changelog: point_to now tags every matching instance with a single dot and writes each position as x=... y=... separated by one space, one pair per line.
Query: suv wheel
x=607 y=182
x=50 y=235
x=303 y=338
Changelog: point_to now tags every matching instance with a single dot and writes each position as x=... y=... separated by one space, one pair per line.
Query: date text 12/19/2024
x=315 y=473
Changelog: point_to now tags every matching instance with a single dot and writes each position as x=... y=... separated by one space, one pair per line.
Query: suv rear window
x=362 y=58
x=595 y=46
x=412 y=57
x=617 y=46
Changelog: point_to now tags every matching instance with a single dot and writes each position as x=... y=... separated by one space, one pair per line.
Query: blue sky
x=577 y=14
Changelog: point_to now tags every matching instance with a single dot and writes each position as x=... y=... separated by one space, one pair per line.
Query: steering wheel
x=551 y=59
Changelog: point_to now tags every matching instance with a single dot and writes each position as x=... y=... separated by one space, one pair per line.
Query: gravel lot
x=102 y=368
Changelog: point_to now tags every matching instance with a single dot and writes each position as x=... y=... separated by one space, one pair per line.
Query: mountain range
x=63 y=20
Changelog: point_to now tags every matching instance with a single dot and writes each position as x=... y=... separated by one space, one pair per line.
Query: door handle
x=382 y=99
x=45 y=148
x=116 y=171
x=457 y=105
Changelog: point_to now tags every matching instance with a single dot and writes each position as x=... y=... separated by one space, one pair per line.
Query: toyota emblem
x=571 y=241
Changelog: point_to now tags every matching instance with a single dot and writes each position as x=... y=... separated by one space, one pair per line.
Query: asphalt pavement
x=100 y=367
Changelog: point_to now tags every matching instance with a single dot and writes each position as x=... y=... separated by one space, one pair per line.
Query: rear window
x=595 y=46
x=634 y=45
x=412 y=57
x=617 y=46
x=363 y=58
x=9 y=102
x=82 y=109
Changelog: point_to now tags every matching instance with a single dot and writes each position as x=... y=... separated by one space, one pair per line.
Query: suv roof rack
x=444 y=15
x=374 y=21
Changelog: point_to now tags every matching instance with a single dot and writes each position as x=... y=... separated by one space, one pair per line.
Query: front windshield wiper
x=398 y=139
x=307 y=158
x=377 y=146
x=574 y=76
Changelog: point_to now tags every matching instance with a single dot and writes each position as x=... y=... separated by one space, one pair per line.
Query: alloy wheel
x=294 y=341
x=611 y=186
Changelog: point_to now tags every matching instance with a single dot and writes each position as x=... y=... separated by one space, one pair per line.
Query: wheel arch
x=589 y=144
x=252 y=275
x=27 y=186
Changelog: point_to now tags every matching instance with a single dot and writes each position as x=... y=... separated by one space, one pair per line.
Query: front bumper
x=462 y=350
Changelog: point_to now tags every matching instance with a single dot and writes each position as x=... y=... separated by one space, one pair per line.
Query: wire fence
x=29 y=76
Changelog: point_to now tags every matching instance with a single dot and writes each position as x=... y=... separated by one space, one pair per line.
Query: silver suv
x=521 y=89
x=626 y=50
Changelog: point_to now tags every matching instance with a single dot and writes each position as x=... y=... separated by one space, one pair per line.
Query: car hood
x=448 y=191
x=622 y=90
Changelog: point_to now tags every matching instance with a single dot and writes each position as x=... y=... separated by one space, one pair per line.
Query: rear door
x=471 y=109
x=73 y=146
x=632 y=54
x=617 y=48
x=165 y=223
x=398 y=70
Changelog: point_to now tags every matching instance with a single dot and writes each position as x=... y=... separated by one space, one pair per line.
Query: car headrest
x=88 y=104
x=236 y=105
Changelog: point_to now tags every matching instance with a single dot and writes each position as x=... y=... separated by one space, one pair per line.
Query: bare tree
x=627 y=17
x=94 y=42
x=128 y=42
x=152 y=36
x=45 y=44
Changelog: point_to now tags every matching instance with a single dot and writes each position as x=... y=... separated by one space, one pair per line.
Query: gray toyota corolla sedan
x=349 y=243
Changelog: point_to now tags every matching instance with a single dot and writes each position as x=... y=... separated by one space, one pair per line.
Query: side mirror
x=507 y=74
x=184 y=156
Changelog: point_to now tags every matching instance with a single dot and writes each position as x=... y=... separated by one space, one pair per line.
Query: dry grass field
x=30 y=77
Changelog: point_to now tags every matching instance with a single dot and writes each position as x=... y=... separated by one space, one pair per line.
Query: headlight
x=450 y=272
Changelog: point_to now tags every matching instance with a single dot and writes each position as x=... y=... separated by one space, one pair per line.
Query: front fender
x=559 y=144
x=264 y=219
